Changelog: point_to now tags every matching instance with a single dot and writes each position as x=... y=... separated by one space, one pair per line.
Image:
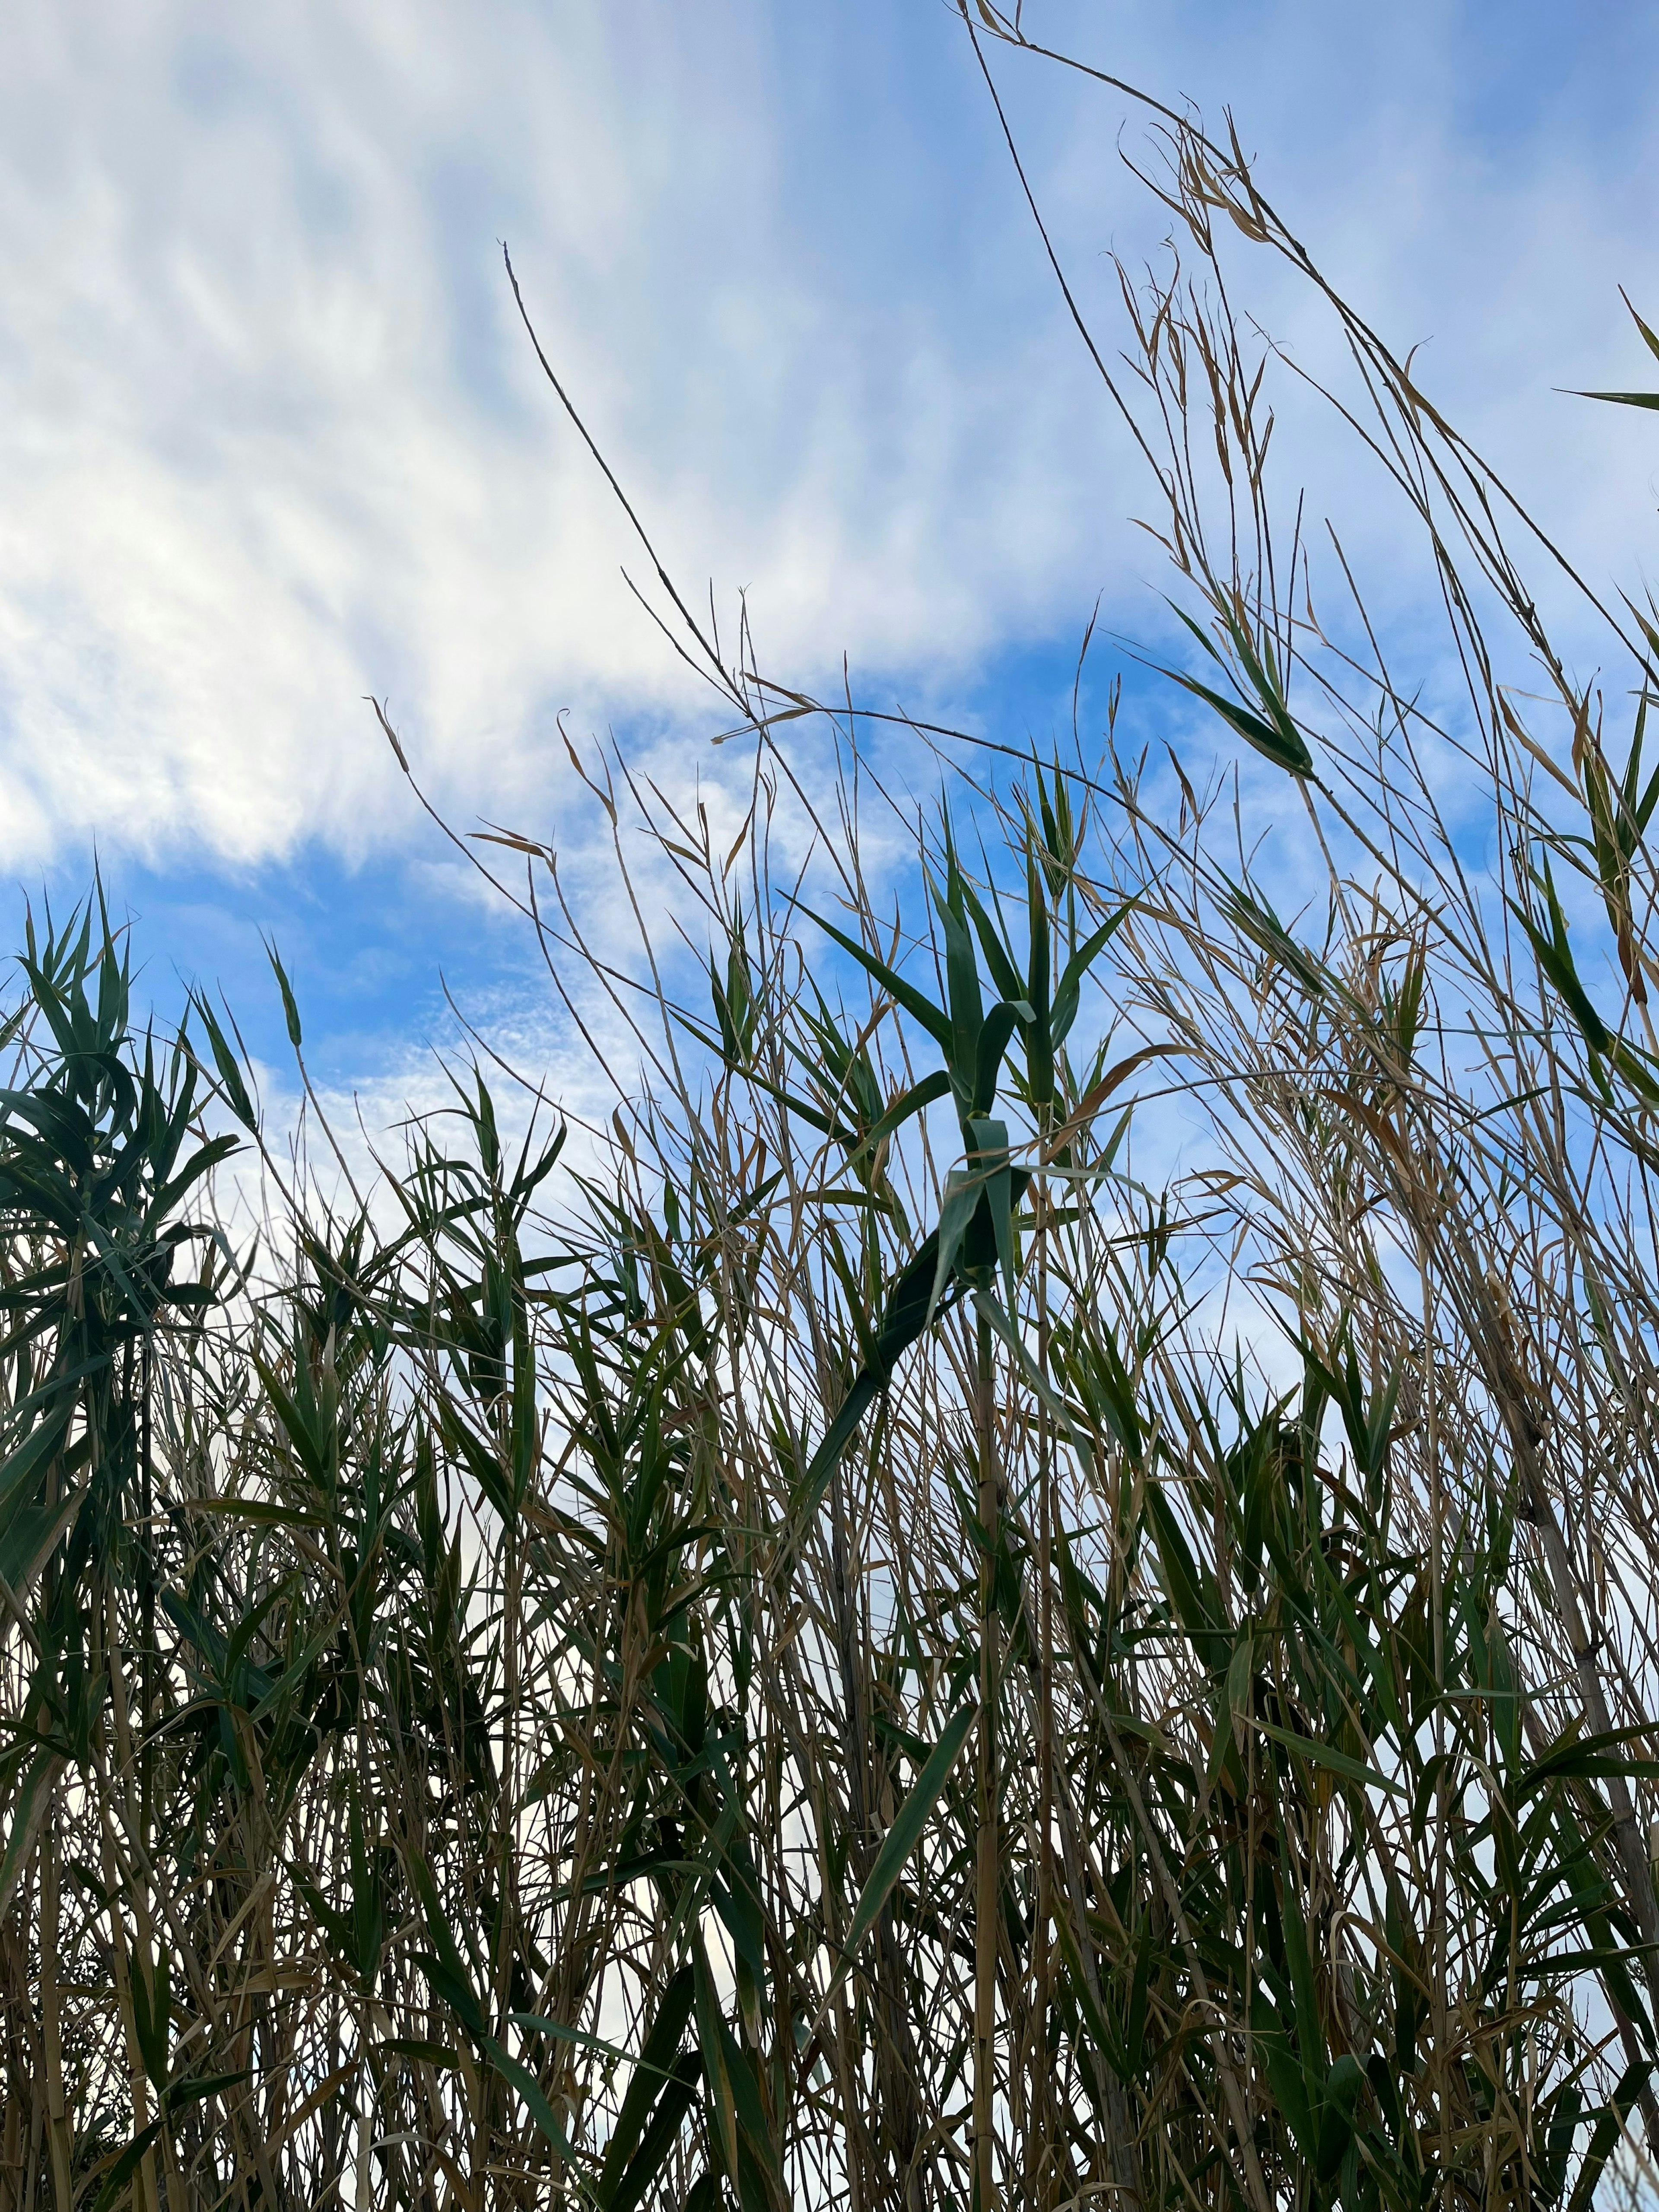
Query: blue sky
x=273 y=440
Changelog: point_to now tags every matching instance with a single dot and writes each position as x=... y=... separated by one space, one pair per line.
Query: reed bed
x=831 y=1642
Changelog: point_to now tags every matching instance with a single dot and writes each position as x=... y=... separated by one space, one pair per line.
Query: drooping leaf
x=902 y=1838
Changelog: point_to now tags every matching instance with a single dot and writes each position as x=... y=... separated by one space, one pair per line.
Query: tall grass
x=833 y=1644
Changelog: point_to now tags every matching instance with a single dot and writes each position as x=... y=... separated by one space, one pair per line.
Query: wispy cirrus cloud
x=271 y=437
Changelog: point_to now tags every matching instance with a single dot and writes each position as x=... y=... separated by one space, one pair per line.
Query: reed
x=831 y=1642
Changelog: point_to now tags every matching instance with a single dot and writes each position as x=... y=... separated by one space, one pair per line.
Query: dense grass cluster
x=830 y=1643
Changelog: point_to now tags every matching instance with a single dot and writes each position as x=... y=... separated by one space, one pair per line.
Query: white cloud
x=271 y=438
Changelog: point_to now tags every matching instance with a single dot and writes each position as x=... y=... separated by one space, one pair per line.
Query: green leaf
x=1004 y=974
x=1290 y=2088
x=964 y=1190
x=1555 y=959
x=1649 y=339
x=230 y=1074
x=1108 y=2045
x=1283 y=747
x=993 y=1038
x=448 y=1973
x=931 y=1088
x=648 y=2086
x=429 y=2054
x=152 y=2012
x=1327 y=1754
x=1623 y=398
x=905 y=995
x=1067 y=990
x=902 y=1836
x=31 y=1537
x=194 y=2089
x=1586 y=1758
x=538 y=2023
x=711 y=2041
x=202 y=1163
x=176 y=2098
x=28 y=1809
x=990 y=1147
x=24 y=1465
x=530 y=2090
x=126 y=2165
x=1191 y=1587
x=908 y=1311
x=985 y=1304
x=960 y=978
x=1309 y=2031
x=911 y=1303
x=1039 y=1034
x=265 y=1512
x=291 y=1011
x=1608 y=2128
x=656 y=2144
x=1233 y=1706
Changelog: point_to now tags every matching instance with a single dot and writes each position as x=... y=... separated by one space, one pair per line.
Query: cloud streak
x=272 y=440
